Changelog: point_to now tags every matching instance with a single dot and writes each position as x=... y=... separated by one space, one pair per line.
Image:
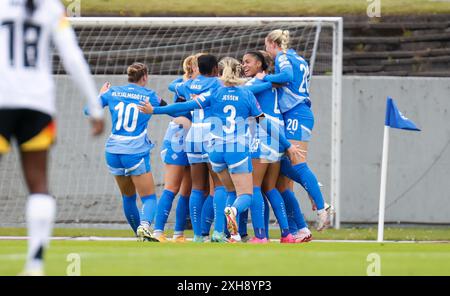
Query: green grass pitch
x=315 y=258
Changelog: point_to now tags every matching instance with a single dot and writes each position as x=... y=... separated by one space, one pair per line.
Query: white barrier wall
x=419 y=167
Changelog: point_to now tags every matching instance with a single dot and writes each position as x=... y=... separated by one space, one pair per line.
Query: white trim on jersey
x=127 y=138
x=216 y=164
x=276 y=153
x=289 y=92
x=194 y=155
x=135 y=166
x=274 y=119
x=232 y=166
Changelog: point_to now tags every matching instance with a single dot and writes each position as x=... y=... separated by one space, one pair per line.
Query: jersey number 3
x=230 y=119
x=31 y=34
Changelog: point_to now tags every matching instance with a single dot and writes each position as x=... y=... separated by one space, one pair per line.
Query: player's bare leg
x=199 y=175
x=259 y=171
x=126 y=185
x=270 y=178
x=186 y=184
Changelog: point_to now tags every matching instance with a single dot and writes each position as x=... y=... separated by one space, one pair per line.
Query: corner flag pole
x=384 y=166
x=394 y=119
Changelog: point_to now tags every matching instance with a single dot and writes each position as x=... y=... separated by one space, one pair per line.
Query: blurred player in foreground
x=27 y=103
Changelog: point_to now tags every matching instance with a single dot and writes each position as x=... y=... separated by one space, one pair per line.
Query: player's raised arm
x=199 y=102
x=75 y=64
x=257 y=88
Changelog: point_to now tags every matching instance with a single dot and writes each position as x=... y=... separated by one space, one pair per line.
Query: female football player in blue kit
x=128 y=147
x=292 y=71
x=229 y=155
x=267 y=152
x=177 y=175
x=196 y=140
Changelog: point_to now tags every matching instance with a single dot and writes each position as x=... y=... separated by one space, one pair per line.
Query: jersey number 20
x=125 y=122
x=304 y=86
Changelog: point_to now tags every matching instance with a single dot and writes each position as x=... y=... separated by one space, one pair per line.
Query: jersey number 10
x=31 y=34
x=126 y=121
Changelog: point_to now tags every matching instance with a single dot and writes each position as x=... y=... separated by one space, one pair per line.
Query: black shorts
x=33 y=130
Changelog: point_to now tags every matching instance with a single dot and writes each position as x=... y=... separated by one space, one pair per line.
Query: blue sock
x=181 y=213
x=148 y=210
x=163 y=209
x=207 y=215
x=257 y=208
x=242 y=202
x=291 y=221
x=243 y=220
x=276 y=200
x=266 y=217
x=301 y=174
x=131 y=211
x=292 y=204
x=220 y=200
x=231 y=198
x=195 y=209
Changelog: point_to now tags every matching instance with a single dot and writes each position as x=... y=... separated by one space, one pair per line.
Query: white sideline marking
x=98 y=238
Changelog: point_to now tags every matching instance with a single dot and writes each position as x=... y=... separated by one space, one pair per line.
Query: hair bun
x=136 y=71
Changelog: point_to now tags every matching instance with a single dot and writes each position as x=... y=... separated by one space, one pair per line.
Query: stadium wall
x=419 y=163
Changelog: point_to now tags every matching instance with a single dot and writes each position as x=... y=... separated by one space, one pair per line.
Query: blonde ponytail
x=284 y=41
x=231 y=70
x=280 y=38
x=188 y=66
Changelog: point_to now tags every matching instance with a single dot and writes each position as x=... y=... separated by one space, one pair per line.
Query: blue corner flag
x=395 y=118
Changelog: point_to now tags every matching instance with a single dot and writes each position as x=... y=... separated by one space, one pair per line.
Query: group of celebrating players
x=241 y=148
x=237 y=142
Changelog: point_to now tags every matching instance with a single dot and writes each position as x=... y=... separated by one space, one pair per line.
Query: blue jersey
x=230 y=107
x=296 y=88
x=129 y=126
x=177 y=98
x=268 y=101
x=194 y=87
